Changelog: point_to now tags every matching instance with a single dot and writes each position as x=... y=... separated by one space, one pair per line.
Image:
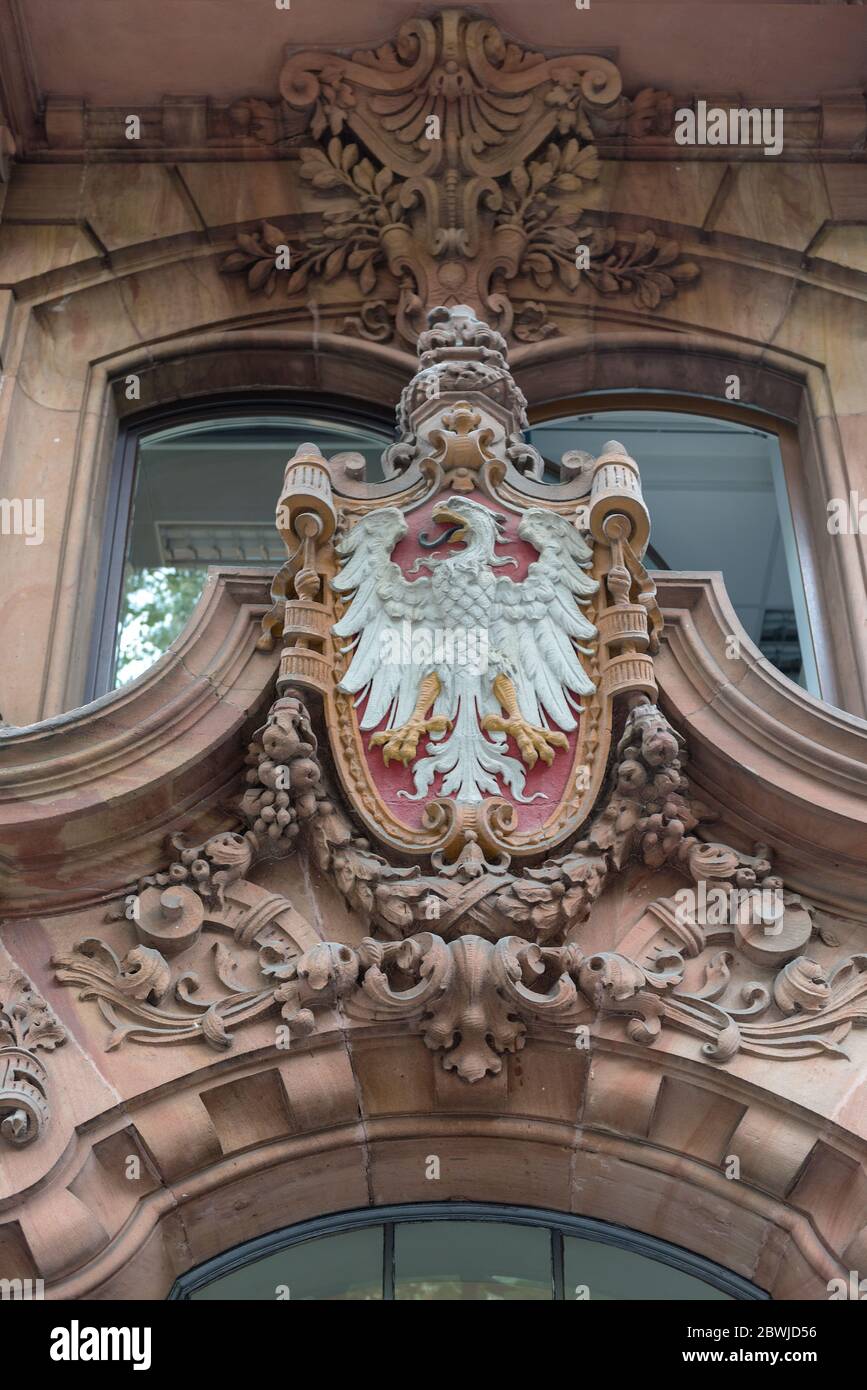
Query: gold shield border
x=623 y=610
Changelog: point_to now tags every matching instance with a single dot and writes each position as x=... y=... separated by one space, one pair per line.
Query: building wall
x=114 y=265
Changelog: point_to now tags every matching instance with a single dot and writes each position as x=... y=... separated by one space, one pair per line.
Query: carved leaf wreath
x=350 y=241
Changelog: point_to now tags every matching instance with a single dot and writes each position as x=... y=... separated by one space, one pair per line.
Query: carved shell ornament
x=473 y=804
x=461 y=166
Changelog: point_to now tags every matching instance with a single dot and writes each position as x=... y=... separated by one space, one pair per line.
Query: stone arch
x=236 y=1152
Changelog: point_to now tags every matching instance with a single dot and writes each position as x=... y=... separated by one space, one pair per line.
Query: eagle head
x=466 y=521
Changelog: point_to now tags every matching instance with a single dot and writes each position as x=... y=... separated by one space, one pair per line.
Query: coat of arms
x=468 y=620
x=463 y=640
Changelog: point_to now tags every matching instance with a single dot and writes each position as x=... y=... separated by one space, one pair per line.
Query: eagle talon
x=402 y=744
x=533 y=743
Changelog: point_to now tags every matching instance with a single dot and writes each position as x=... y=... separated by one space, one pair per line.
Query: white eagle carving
x=528 y=630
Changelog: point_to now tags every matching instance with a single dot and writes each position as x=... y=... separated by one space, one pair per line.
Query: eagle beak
x=442 y=514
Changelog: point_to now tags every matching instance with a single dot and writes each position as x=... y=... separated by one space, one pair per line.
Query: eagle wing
x=536 y=622
x=383 y=601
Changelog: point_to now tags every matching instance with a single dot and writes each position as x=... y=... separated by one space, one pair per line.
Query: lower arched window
x=459 y=1251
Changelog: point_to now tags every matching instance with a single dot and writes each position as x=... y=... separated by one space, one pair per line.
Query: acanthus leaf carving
x=475 y=997
x=26 y=1024
x=465 y=159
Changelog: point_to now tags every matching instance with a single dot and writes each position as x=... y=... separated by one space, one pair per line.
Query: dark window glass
x=599 y=1273
x=460 y=1252
x=472 y=1261
x=345 y=1267
x=205 y=494
x=717 y=496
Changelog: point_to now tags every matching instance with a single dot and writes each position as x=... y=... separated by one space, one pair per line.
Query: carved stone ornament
x=475 y=644
x=26 y=1023
x=459 y=165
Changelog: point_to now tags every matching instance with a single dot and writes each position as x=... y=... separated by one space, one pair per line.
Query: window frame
x=114 y=533
x=786 y=434
x=558 y=1224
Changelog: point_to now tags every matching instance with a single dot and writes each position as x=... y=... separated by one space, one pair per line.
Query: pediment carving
x=460 y=164
x=501 y=955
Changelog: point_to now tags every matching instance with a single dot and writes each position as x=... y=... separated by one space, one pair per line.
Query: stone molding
x=118 y=767
x=648 y=1123
x=183 y=127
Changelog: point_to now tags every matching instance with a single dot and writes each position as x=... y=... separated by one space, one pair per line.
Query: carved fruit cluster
x=283 y=775
x=649 y=814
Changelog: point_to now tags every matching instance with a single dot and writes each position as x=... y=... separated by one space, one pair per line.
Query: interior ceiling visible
x=710 y=489
x=124 y=51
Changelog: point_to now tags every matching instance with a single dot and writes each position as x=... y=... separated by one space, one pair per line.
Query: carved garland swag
x=497 y=956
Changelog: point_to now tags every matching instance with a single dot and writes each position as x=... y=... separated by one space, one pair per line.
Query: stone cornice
x=780 y=763
x=197 y=128
x=86 y=794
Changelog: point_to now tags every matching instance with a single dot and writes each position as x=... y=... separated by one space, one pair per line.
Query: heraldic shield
x=470 y=619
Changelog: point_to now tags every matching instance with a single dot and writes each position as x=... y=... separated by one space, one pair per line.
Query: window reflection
x=460 y=1252
x=472 y=1261
x=718 y=500
x=204 y=495
x=598 y=1272
x=346 y=1267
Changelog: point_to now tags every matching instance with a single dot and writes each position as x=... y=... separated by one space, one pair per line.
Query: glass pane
x=717 y=498
x=480 y=1261
x=344 y=1267
x=205 y=494
x=598 y=1273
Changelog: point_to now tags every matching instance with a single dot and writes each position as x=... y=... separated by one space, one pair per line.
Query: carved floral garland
x=26 y=1023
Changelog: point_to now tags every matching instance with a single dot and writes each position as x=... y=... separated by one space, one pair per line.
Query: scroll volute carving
x=465 y=158
x=495 y=102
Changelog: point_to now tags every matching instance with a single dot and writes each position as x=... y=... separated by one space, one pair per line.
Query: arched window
x=197 y=487
x=194 y=488
x=459 y=1251
x=717 y=483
